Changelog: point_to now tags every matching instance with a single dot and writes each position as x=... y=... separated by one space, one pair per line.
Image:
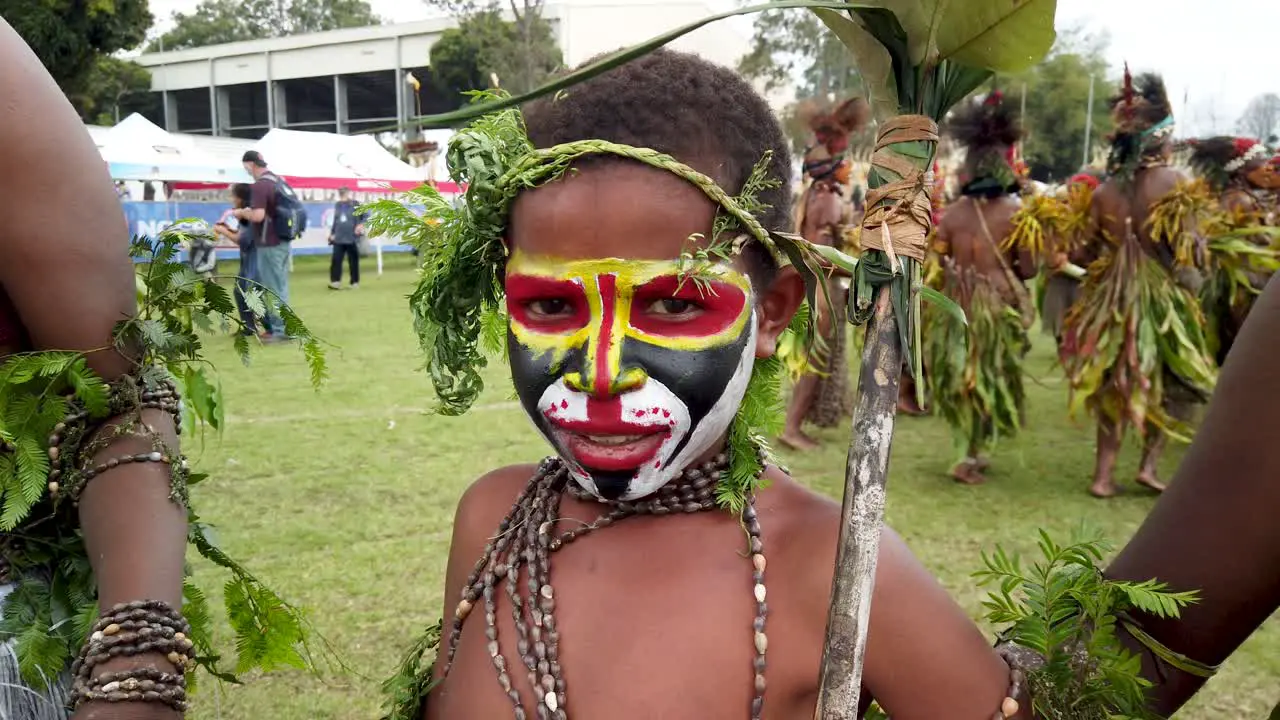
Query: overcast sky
x=1215 y=56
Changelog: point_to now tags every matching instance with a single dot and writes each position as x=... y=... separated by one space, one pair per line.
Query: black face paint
x=697 y=379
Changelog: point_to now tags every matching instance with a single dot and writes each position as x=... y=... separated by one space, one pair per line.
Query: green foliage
x=1066 y=610
x=786 y=45
x=54 y=603
x=114 y=89
x=222 y=21
x=70 y=37
x=406 y=690
x=1057 y=100
x=975 y=370
x=483 y=44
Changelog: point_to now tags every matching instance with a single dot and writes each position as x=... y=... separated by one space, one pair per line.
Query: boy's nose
x=624 y=382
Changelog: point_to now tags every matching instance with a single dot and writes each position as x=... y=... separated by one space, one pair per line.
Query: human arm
x=925 y=658
x=70 y=279
x=1214 y=529
x=259 y=200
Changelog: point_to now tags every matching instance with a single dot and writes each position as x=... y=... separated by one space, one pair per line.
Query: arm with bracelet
x=65 y=268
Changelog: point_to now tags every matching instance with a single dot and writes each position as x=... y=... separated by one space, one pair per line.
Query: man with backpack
x=277 y=218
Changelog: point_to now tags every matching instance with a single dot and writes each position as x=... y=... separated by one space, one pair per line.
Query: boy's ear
x=775 y=309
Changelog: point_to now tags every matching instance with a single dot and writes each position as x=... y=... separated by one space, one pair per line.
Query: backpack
x=290 y=219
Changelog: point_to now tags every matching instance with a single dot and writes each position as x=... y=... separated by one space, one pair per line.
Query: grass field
x=343 y=499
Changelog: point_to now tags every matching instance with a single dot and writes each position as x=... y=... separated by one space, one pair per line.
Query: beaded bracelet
x=146 y=685
x=69 y=446
x=128 y=630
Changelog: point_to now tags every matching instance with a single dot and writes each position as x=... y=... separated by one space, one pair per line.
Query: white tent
x=137 y=149
x=327 y=160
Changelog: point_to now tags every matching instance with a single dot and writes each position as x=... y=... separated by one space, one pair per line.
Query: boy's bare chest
x=647 y=630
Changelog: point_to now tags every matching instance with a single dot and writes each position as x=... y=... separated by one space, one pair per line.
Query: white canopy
x=137 y=149
x=328 y=160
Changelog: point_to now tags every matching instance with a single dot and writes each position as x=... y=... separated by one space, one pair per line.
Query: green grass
x=342 y=500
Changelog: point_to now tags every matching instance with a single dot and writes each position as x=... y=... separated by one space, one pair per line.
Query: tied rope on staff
x=897 y=222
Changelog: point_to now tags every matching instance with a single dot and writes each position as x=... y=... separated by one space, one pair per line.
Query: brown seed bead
x=1009 y=707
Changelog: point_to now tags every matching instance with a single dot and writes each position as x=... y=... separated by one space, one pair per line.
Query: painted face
x=629 y=372
x=1266 y=175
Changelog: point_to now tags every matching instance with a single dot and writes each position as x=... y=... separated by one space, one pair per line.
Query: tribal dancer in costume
x=975 y=371
x=1138 y=352
x=1240 y=173
x=822 y=394
x=653 y=382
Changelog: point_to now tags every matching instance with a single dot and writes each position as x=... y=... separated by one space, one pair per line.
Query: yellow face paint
x=559 y=305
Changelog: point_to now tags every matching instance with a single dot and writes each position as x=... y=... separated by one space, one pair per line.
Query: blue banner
x=149 y=219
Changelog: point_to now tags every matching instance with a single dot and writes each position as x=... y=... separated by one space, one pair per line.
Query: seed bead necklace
x=526 y=538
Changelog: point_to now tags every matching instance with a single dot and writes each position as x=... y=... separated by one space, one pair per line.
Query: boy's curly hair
x=704 y=115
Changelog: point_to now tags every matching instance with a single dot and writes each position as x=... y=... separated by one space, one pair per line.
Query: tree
x=69 y=44
x=222 y=21
x=790 y=47
x=522 y=55
x=114 y=88
x=1057 y=103
x=1261 y=119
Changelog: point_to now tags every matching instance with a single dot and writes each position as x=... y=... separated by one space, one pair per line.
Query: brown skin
x=825 y=212
x=70 y=280
x=1215 y=529
x=961 y=240
x=655 y=613
x=1113 y=206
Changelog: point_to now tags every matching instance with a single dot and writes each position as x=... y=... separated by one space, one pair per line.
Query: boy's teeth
x=613 y=439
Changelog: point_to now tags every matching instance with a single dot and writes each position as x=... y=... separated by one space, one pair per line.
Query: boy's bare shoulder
x=801 y=526
x=484 y=504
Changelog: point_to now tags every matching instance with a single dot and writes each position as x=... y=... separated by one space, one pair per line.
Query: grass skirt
x=1136 y=342
x=975 y=372
x=833 y=400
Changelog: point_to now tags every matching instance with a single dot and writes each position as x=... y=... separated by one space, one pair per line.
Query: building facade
x=379 y=78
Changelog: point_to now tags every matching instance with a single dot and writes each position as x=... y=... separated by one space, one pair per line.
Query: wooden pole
x=862 y=516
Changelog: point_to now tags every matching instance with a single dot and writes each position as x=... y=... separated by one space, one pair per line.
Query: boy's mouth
x=610 y=449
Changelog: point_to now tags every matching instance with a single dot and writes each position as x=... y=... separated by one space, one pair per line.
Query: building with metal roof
x=360 y=79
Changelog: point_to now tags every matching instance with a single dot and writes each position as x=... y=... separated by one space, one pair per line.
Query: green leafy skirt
x=975 y=372
x=1136 y=343
x=833 y=401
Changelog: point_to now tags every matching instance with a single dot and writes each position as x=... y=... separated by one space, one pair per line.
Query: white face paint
x=645 y=409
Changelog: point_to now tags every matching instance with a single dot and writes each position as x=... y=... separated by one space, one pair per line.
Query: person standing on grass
x=242 y=234
x=344 y=236
x=272 y=247
x=1142 y=289
x=975 y=369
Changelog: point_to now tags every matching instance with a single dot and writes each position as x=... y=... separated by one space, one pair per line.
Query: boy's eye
x=673 y=308
x=550 y=308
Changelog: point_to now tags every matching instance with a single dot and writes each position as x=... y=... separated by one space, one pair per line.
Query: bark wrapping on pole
x=895 y=233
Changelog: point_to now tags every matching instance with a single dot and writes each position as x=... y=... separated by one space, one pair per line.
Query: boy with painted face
x=640 y=373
